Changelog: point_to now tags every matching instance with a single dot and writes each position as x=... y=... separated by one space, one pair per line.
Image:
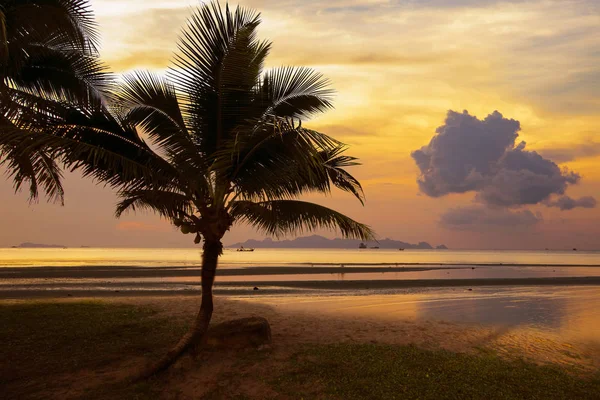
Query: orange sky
x=397 y=67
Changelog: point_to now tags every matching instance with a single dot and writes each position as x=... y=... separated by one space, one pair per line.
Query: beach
x=519 y=312
x=540 y=313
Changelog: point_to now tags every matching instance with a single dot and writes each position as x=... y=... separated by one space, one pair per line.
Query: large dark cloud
x=472 y=155
x=480 y=218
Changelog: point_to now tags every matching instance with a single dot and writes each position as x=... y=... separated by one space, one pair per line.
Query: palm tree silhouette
x=226 y=145
x=48 y=59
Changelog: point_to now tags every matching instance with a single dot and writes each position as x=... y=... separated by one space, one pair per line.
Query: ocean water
x=189 y=257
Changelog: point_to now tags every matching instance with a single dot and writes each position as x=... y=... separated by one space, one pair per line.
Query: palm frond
x=102 y=149
x=62 y=74
x=93 y=141
x=294 y=92
x=169 y=204
x=284 y=161
x=33 y=168
x=283 y=217
x=37 y=21
x=335 y=163
x=150 y=103
x=216 y=69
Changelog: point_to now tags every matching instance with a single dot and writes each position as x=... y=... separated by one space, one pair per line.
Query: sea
x=160 y=257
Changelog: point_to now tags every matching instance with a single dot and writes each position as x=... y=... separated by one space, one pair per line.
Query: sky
x=476 y=121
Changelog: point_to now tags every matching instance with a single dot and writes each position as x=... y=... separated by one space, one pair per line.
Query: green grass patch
x=44 y=339
x=371 y=371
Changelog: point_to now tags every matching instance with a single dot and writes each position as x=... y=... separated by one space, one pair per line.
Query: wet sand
x=140 y=272
x=99 y=281
x=265 y=288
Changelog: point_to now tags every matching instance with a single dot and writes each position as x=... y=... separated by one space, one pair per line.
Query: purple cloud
x=471 y=155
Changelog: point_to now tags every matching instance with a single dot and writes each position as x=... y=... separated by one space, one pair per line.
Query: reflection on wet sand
x=572 y=311
x=557 y=324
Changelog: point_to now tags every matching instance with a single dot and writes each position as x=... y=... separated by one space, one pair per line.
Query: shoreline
x=268 y=288
x=160 y=272
x=249 y=266
x=127 y=271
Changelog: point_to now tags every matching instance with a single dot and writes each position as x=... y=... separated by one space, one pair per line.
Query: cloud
x=583 y=150
x=568 y=203
x=472 y=155
x=477 y=218
x=524 y=177
x=463 y=152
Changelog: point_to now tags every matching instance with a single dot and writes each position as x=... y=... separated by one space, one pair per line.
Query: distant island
x=320 y=242
x=29 y=245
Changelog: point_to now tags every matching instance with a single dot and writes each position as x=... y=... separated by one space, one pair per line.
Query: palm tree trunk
x=193 y=337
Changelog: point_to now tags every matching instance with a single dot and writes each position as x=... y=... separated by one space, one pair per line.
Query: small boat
x=375 y=247
x=244 y=249
x=401 y=249
x=362 y=246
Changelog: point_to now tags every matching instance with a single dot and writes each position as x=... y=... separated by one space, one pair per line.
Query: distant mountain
x=29 y=245
x=320 y=242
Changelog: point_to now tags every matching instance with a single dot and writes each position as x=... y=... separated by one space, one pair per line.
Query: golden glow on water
x=191 y=257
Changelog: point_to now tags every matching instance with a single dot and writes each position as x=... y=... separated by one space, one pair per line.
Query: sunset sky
x=469 y=74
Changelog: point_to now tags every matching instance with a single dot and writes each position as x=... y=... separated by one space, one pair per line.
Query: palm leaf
x=34 y=168
x=169 y=204
x=294 y=92
x=217 y=67
x=150 y=103
x=93 y=141
x=62 y=74
x=285 y=161
x=39 y=20
x=283 y=217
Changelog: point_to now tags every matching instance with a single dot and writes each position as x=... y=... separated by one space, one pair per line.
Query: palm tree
x=227 y=145
x=48 y=60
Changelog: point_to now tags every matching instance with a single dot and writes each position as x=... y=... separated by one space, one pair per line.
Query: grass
x=47 y=346
x=370 y=371
x=42 y=340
